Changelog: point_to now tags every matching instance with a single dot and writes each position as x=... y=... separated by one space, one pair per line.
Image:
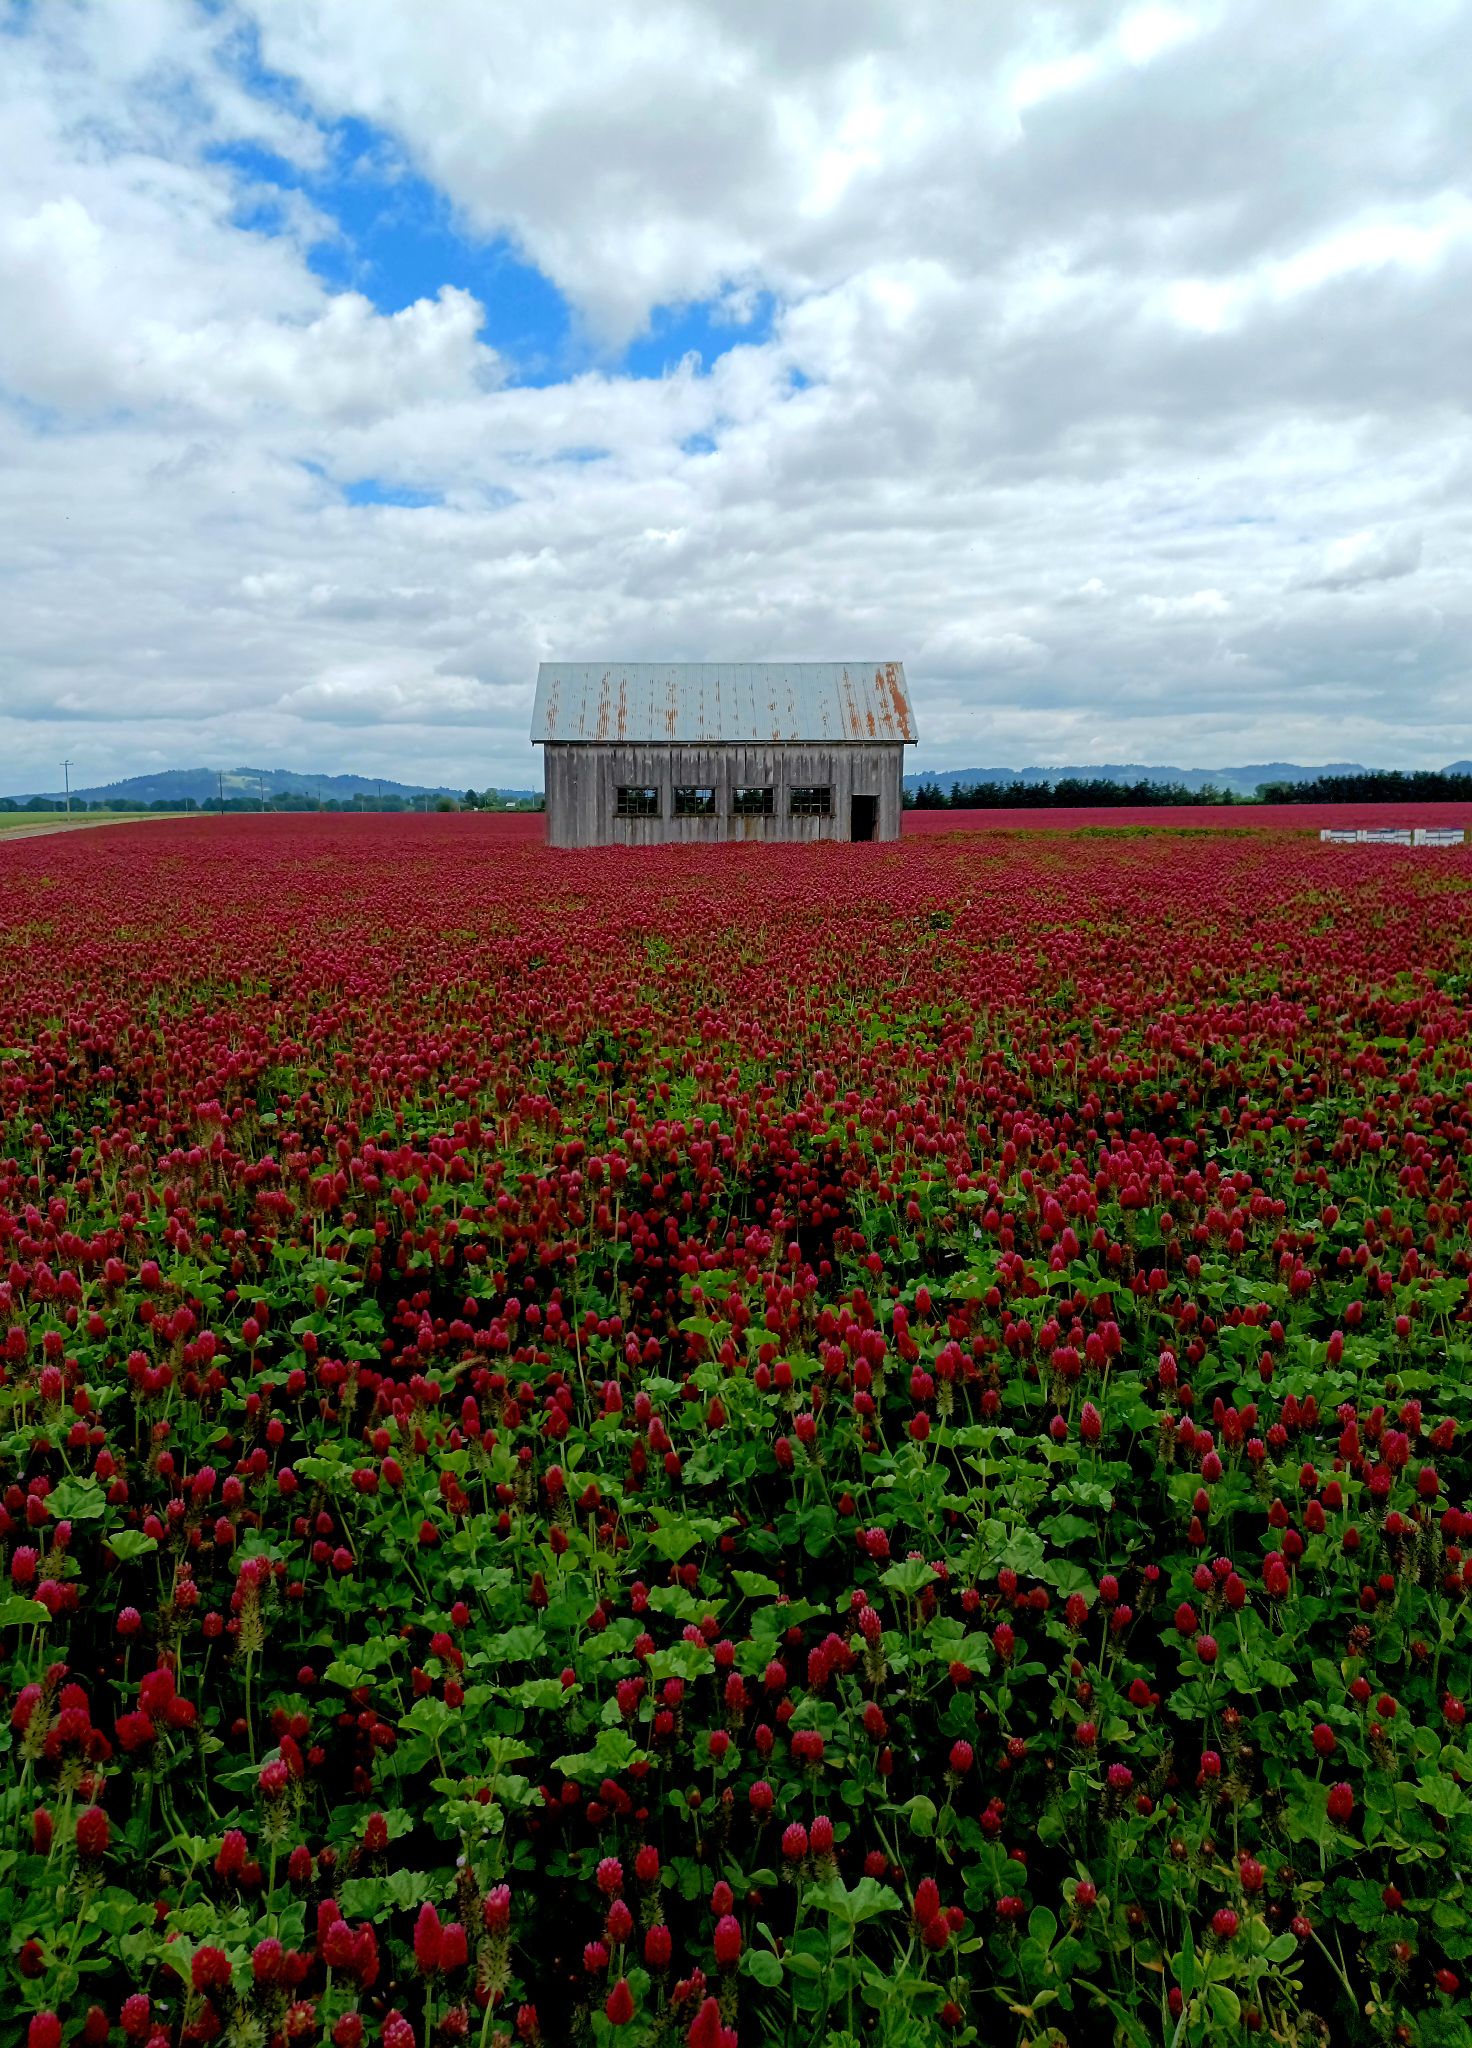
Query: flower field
x=1187 y=817
x=806 y=1446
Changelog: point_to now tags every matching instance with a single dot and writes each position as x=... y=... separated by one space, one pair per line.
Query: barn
x=648 y=753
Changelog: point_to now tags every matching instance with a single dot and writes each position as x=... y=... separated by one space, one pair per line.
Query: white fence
x=1393 y=835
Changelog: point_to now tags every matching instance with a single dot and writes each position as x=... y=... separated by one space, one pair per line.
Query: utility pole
x=222 y=792
x=66 y=769
x=261 y=786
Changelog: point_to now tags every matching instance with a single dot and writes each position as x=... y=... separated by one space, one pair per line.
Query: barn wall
x=583 y=782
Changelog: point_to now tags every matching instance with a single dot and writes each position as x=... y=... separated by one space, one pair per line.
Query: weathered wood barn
x=641 y=753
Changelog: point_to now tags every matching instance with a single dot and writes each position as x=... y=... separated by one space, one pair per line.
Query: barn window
x=752 y=803
x=694 y=803
x=638 y=803
x=811 y=802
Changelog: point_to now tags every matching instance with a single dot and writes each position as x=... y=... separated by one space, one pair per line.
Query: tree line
x=1379 y=786
x=1068 y=793
x=1074 y=792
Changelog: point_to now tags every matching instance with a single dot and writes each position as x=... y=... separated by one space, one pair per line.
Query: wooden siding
x=583 y=782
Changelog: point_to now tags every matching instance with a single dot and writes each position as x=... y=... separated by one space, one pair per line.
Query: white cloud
x=1414 y=238
x=1364 y=558
x=1146 y=33
x=1200 y=604
x=1091 y=326
x=969 y=650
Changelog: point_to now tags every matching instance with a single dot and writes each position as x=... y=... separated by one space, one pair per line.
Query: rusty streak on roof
x=712 y=703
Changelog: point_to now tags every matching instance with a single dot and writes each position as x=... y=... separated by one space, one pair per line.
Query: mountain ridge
x=202 y=785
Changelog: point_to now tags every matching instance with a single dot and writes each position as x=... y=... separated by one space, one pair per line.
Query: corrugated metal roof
x=706 y=702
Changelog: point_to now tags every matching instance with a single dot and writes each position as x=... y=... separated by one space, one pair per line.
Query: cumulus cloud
x=1363 y=558
x=1056 y=342
x=964 y=649
x=1200 y=604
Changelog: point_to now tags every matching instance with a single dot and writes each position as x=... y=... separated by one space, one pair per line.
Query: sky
x=1107 y=364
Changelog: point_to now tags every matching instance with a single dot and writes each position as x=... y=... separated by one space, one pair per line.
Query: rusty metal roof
x=712 y=702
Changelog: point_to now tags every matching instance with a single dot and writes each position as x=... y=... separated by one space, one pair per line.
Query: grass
x=27 y=824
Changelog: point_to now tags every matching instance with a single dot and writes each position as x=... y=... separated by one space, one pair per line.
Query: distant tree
x=445 y=803
x=1076 y=792
x=1375 y=786
x=1014 y=796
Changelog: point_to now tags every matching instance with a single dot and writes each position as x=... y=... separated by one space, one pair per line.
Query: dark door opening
x=863 y=816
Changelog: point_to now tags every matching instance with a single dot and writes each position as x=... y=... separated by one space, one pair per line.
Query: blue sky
x=396 y=238
x=357 y=357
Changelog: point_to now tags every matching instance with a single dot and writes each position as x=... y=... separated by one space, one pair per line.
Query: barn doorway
x=863 y=816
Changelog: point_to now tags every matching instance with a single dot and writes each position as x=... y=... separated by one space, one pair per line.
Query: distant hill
x=202 y=785
x=1241 y=781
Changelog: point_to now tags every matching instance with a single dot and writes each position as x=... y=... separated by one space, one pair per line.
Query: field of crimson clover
x=806 y=1447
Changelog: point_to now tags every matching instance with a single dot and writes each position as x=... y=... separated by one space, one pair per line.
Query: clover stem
x=147 y=1811
x=1336 y=1966
x=76 y=1935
